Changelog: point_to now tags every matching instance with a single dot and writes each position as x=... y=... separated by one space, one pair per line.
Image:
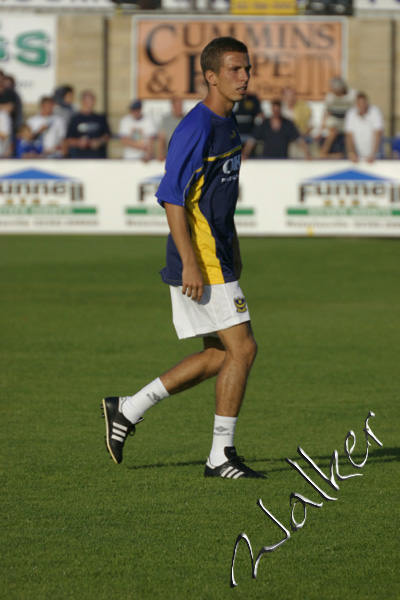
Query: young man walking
x=199 y=193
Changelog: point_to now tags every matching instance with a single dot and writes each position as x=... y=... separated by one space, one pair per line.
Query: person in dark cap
x=137 y=133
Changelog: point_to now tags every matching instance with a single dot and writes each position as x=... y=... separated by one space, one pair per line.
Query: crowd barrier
x=276 y=198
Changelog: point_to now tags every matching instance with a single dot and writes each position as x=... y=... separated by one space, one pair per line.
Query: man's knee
x=214 y=357
x=250 y=350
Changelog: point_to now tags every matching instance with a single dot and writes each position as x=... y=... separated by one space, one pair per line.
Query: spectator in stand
x=363 y=126
x=396 y=147
x=27 y=146
x=248 y=114
x=137 y=133
x=168 y=125
x=5 y=134
x=49 y=128
x=64 y=103
x=296 y=110
x=337 y=103
x=18 y=114
x=88 y=132
x=275 y=133
x=7 y=99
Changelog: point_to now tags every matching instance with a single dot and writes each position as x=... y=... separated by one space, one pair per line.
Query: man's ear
x=210 y=77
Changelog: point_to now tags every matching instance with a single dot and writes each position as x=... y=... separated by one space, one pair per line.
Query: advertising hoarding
x=28 y=52
x=277 y=198
x=264 y=7
x=57 y=4
x=304 y=54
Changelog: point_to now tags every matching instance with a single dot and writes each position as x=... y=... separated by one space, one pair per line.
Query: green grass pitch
x=85 y=317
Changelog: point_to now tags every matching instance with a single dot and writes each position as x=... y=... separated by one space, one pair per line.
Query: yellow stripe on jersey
x=212 y=158
x=202 y=238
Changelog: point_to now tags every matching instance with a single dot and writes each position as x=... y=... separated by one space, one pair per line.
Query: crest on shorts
x=240 y=304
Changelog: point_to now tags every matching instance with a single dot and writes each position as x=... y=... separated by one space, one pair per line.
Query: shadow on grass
x=380 y=455
x=160 y=465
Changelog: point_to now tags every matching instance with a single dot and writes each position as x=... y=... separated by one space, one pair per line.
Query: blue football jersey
x=202 y=174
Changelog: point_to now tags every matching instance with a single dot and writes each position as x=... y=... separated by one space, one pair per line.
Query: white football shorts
x=222 y=305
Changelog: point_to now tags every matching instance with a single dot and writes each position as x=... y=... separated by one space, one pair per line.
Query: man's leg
x=195 y=368
x=122 y=414
x=240 y=352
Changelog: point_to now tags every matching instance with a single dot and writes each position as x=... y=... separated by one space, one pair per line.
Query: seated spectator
x=7 y=98
x=17 y=114
x=26 y=145
x=49 y=128
x=88 y=132
x=248 y=114
x=137 y=133
x=337 y=103
x=5 y=134
x=275 y=133
x=168 y=125
x=363 y=126
x=64 y=103
x=396 y=147
x=296 y=110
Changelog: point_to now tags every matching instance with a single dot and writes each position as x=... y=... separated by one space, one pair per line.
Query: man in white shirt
x=364 y=128
x=137 y=133
x=50 y=128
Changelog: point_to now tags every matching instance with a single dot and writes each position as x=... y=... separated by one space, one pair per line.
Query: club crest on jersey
x=240 y=304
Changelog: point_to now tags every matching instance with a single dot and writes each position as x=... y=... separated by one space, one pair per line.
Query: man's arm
x=350 y=147
x=192 y=279
x=248 y=147
x=376 y=144
x=301 y=142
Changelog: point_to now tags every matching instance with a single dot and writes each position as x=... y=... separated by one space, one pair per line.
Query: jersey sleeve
x=184 y=163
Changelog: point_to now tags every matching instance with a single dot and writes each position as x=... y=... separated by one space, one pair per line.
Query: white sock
x=134 y=407
x=224 y=431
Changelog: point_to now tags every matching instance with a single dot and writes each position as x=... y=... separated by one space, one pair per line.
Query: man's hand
x=192 y=282
x=192 y=279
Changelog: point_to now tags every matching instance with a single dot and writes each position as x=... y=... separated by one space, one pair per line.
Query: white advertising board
x=56 y=4
x=28 y=52
x=285 y=198
x=377 y=6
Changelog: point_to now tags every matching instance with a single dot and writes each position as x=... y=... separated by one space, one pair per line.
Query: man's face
x=362 y=105
x=233 y=77
x=136 y=113
x=47 y=108
x=88 y=102
x=276 y=109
